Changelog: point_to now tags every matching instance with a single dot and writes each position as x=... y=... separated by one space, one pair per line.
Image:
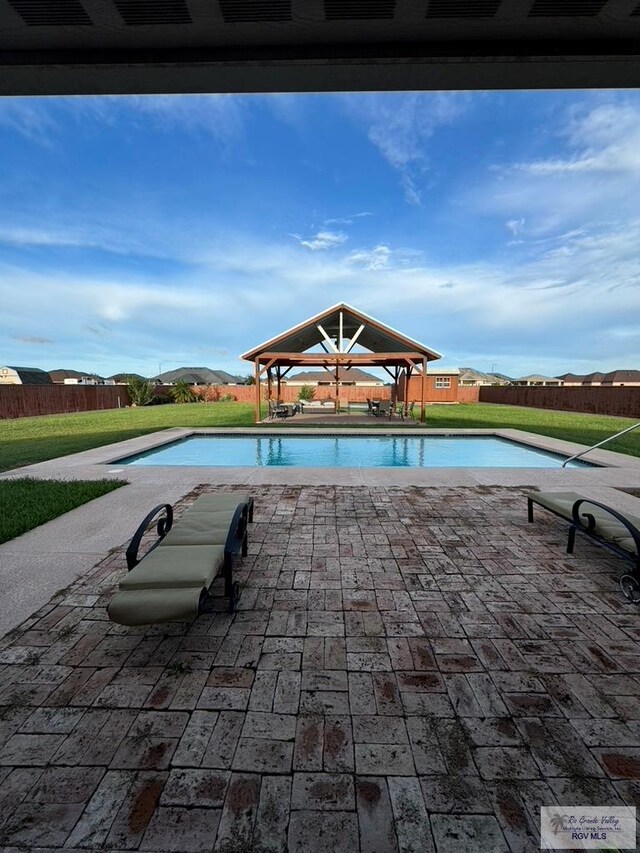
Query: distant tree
x=181 y=392
x=140 y=390
x=249 y=380
x=306 y=393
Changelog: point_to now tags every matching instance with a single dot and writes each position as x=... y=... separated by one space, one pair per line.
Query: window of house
x=443 y=382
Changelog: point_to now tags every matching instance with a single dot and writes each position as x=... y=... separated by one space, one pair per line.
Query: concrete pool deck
x=72 y=544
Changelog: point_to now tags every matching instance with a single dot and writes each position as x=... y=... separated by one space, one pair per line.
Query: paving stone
x=619 y=763
x=323 y=791
x=324 y=680
x=239 y=814
x=263 y=756
x=224 y=699
x=31 y=823
x=34 y=750
x=454 y=794
x=410 y=815
x=66 y=785
x=319 y=831
x=133 y=816
x=187 y=830
x=481 y=832
x=15 y=786
x=263 y=691
x=324 y=702
x=270 y=831
x=338 y=744
x=375 y=817
x=492 y=731
x=425 y=747
x=274 y=726
x=286 y=699
x=93 y=827
x=378 y=729
x=193 y=743
x=309 y=743
x=505 y=762
x=201 y=788
x=361 y=696
x=376 y=759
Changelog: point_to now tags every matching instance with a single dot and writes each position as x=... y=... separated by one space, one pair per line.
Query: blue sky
x=501 y=229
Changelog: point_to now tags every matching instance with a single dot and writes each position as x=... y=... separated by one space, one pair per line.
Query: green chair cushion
x=176 y=567
x=149 y=606
x=200 y=528
x=224 y=500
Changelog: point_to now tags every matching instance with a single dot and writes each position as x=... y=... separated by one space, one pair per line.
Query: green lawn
x=27 y=440
x=28 y=503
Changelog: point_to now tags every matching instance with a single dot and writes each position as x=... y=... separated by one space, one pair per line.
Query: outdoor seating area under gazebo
x=337 y=340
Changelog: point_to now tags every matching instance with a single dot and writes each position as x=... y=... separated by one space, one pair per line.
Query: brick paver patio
x=409 y=670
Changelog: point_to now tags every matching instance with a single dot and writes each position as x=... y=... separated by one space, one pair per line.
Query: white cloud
x=322 y=240
x=400 y=127
x=372 y=259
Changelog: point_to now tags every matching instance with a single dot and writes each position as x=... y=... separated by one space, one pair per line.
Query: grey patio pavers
x=409 y=670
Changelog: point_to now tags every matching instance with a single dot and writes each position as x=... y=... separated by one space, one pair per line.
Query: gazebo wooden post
x=423 y=414
x=278 y=400
x=269 y=381
x=258 y=414
x=337 y=403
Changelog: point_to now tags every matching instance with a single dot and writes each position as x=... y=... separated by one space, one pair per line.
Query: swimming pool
x=340 y=451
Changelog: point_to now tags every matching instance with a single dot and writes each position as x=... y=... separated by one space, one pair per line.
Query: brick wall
x=620 y=401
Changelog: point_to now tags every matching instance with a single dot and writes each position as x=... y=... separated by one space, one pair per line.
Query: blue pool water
x=332 y=451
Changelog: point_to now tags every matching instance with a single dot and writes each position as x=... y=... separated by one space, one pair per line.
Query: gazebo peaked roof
x=336 y=324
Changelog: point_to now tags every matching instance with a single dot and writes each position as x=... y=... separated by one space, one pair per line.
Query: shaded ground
x=410 y=670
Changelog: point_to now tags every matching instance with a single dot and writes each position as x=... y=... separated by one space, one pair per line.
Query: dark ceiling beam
x=592 y=63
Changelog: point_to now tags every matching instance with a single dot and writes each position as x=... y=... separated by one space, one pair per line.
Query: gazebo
x=337 y=331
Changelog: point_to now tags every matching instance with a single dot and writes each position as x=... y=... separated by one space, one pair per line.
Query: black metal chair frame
x=585 y=523
x=236 y=543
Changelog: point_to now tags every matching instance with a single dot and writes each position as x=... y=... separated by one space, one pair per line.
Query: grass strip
x=27 y=503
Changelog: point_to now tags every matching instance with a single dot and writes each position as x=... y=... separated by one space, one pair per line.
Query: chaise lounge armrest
x=587 y=522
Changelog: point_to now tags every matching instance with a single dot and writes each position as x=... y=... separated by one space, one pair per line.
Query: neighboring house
x=10 y=375
x=197 y=376
x=444 y=377
x=58 y=377
x=507 y=380
x=318 y=378
x=123 y=378
x=613 y=378
x=88 y=380
x=537 y=379
x=470 y=378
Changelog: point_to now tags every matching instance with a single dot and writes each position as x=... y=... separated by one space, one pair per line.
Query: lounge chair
x=170 y=583
x=613 y=529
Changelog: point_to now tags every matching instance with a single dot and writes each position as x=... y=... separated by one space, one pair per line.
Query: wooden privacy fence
x=22 y=401
x=622 y=401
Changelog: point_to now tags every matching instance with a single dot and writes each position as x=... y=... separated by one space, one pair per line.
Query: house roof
x=31 y=375
x=537 y=377
x=198 y=376
x=622 y=376
x=442 y=371
x=375 y=335
x=344 y=375
x=61 y=374
x=124 y=377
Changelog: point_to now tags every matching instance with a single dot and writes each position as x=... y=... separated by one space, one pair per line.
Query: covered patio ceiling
x=337 y=331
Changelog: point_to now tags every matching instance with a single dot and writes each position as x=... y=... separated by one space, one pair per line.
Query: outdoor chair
x=171 y=581
x=396 y=410
x=615 y=530
x=409 y=412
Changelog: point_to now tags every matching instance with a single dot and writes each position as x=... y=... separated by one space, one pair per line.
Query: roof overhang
x=339 y=322
x=124 y=47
